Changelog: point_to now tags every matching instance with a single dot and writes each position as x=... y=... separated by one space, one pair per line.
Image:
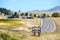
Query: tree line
x=4 y=11
x=55 y=14
x=7 y=12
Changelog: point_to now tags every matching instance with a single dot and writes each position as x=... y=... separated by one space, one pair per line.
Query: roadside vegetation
x=6 y=36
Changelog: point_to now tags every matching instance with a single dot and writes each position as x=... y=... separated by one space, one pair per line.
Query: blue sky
x=29 y=5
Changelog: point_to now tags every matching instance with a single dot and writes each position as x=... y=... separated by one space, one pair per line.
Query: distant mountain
x=34 y=11
x=57 y=8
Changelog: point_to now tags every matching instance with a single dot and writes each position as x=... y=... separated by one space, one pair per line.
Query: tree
x=34 y=15
x=19 y=11
x=44 y=15
x=21 y=14
x=26 y=14
x=55 y=14
x=48 y=15
x=4 y=10
x=15 y=13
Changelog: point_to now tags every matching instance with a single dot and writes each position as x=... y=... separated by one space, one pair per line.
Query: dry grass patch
x=10 y=23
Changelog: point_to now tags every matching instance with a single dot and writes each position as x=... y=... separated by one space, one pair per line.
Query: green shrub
x=9 y=37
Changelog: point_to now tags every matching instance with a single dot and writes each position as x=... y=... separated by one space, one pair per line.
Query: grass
x=45 y=36
x=9 y=23
x=7 y=36
x=26 y=35
x=57 y=21
x=8 y=20
x=12 y=23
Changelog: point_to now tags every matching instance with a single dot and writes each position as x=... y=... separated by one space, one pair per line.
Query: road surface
x=48 y=25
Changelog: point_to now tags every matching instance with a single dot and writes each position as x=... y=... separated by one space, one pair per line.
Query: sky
x=29 y=5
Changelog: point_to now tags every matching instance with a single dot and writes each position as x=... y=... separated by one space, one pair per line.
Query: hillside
x=49 y=12
x=57 y=8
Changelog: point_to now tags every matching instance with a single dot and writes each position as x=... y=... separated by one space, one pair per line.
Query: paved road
x=48 y=25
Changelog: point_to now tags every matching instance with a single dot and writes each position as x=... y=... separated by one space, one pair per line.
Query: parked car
x=29 y=17
x=42 y=17
x=13 y=16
